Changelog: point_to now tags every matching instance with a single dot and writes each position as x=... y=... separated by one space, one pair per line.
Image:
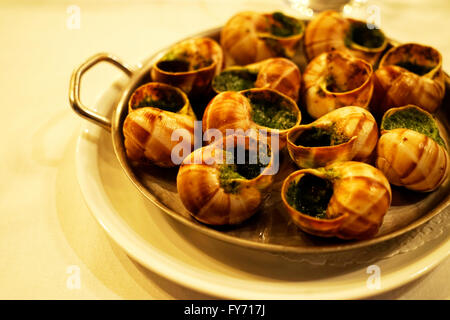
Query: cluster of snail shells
x=337 y=87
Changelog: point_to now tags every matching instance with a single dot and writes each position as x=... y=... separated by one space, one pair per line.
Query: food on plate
x=411 y=151
x=409 y=74
x=156 y=110
x=348 y=133
x=334 y=80
x=190 y=65
x=330 y=31
x=346 y=199
x=219 y=186
x=253 y=109
x=279 y=74
x=250 y=37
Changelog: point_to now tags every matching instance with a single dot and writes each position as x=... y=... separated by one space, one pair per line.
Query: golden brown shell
x=279 y=74
x=361 y=197
x=246 y=38
x=233 y=110
x=411 y=159
x=330 y=31
x=356 y=124
x=396 y=86
x=334 y=80
x=190 y=65
x=148 y=130
x=200 y=189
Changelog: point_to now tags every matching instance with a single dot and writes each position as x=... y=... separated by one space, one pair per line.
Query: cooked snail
x=409 y=74
x=253 y=109
x=190 y=65
x=249 y=37
x=411 y=151
x=156 y=110
x=348 y=133
x=334 y=80
x=330 y=31
x=347 y=200
x=218 y=187
x=276 y=73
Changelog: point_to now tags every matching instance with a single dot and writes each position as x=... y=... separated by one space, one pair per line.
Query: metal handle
x=74 y=89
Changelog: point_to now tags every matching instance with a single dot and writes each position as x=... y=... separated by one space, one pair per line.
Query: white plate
x=210 y=266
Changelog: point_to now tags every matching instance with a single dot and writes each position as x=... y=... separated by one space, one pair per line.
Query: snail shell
x=408 y=157
x=409 y=74
x=190 y=65
x=236 y=110
x=275 y=73
x=156 y=110
x=351 y=133
x=354 y=197
x=214 y=196
x=334 y=80
x=330 y=31
x=249 y=37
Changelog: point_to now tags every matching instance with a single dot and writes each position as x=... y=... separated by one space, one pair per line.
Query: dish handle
x=74 y=88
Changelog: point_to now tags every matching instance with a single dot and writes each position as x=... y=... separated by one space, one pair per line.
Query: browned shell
x=190 y=65
x=329 y=31
x=233 y=111
x=246 y=38
x=334 y=80
x=279 y=74
x=411 y=159
x=356 y=124
x=200 y=189
x=409 y=74
x=148 y=128
x=361 y=197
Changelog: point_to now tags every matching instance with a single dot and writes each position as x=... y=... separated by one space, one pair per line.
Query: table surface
x=46 y=229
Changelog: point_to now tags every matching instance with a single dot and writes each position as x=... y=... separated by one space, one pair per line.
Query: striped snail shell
x=409 y=74
x=254 y=109
x=348 y=133
x=155 y=111
x=329 y=31
x=190 y=65
x=279 y=74
x=334 y=80
x=249 y=37
x=217 y=188
x=346 y=199
x=411 y=151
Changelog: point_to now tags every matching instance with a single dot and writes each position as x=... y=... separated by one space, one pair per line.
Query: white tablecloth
x=45 y=226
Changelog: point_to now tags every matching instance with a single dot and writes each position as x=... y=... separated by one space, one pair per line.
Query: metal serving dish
x=271 y=228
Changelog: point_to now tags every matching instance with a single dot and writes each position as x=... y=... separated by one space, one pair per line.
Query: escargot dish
x=348 y=133
x=276 y=73
x=347 y=200
x=411 y=151
x=253 y=109
x=249 y=37
x=409 y=74
x=190 y=65
x=334 y=80
x=156 y=110
x=223 y=183
x=330 y=31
